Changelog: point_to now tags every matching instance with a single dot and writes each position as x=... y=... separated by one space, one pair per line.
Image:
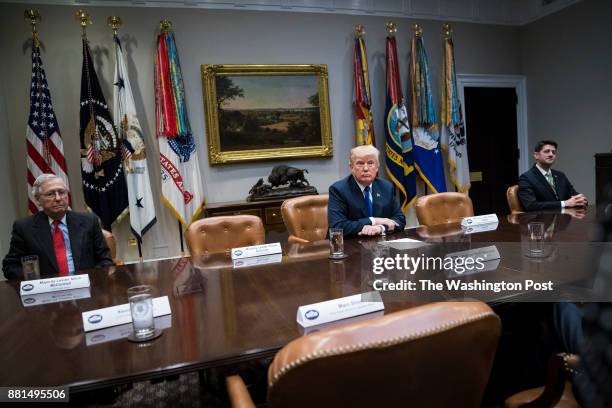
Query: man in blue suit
x=541 y=188
x=362 y=204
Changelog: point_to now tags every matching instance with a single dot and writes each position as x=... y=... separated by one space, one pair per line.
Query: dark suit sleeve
x=11 y=265
x=398 y=216
x=528 y=198
x=101 y=251
x=337 y=214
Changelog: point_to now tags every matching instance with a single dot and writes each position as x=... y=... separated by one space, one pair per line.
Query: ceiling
x=505 y=12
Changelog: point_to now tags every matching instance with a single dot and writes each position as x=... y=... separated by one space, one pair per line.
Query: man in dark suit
x=362 y=204
x=541 y=188
x=64 y=241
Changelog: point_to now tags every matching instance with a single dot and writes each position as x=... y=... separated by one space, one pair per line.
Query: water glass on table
x=141 y=307
x=30 y=267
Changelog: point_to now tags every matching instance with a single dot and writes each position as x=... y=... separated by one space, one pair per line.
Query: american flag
x=44 y=143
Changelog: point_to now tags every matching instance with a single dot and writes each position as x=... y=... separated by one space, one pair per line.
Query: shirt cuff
x=372 y=220
x=562 y=204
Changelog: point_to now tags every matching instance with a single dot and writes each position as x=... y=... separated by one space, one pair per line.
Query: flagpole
x=84 y=19
x=180 y=227
x=34 y=16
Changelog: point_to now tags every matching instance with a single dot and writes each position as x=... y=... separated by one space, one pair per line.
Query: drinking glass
x=30 y=267
x=536 y=237
x=336 y=242
x=141 y=307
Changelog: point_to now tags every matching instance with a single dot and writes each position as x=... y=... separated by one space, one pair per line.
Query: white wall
x=567 y=59
x=221 y=37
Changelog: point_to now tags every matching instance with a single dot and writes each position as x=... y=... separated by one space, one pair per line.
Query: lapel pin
x=377 y=195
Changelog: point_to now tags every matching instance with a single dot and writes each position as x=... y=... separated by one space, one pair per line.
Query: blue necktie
x=368 y=201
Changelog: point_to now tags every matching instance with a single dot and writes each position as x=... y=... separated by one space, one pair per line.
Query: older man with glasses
x=64 y=241
x=363 y=204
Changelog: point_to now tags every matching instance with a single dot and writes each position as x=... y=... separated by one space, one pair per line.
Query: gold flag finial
x=84 y=20
x=165 y=25
x=418 y=30
x=115 y=23
x=447 y=31
x=391 y=27
x=359 y=31
x=34 y=16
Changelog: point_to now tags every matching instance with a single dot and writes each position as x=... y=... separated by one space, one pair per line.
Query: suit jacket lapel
x=358 y=194
x=42 y=231
x=75 y=230
x=542 y=180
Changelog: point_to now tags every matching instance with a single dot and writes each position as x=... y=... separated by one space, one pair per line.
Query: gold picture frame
x=266 y=112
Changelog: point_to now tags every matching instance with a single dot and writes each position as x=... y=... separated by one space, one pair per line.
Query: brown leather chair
x=436 y=355
x=557 y=392
x=220 y=234
x=112 y=245
x=306 y=217
x=513 y=200
x=443 y=208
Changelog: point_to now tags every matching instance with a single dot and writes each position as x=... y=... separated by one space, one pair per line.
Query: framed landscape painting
x=263 y=112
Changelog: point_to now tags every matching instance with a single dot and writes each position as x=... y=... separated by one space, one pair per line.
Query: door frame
x=519 y=83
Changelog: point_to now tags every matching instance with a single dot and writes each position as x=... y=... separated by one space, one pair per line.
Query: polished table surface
x=223 y=315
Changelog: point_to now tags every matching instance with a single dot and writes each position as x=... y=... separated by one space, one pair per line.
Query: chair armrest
x=238 y=393
x=295 y=240
x=561 y=368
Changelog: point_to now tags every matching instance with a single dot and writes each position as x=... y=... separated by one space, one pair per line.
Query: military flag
x=398 y=149
x=104 y=185
x=453 y=139
x=425 y=135
x=45 y=149
x=181 y=185
x=363 y=101
x=140 y=197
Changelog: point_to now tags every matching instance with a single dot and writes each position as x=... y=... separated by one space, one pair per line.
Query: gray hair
x=42 y=179
x=364 y=150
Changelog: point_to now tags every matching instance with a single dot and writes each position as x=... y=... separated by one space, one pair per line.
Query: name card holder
x=55 y=297
x=257 y=260
x=479 y=220
x=122 y=331
x=338 y=309
x=120 y=314
x=256 y=250
x=34 y=287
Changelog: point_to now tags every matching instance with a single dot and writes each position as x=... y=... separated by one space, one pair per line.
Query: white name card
x=55 y=297
x=257 y=260
x=122 y=331
x=338 y=309
x=256 y=250
x=473 y=229
x=33 y=287
x=479 y=220
x=120 y=314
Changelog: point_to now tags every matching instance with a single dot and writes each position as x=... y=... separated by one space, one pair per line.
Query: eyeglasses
x=51 y=194
x=361 y=164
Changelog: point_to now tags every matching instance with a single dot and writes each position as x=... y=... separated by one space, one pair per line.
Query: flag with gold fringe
x=453 y=139
x=140 y=196
x=398 y=149
x=180 y=178
x=425 y=135
x=45 y=148
x=363 y=102
x=104 y=185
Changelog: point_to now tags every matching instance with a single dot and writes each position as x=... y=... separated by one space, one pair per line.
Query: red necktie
x=60 y=249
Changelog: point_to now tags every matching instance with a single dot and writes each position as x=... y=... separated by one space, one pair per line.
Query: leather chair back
x=436 y=355
x=110 y=241
x=220 y=234
x=443 y=208
x=513 y=200
x=306 y=217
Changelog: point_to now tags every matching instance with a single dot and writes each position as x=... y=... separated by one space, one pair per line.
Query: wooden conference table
x=223 y=315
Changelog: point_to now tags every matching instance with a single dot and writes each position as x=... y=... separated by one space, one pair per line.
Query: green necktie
x=550 y=179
